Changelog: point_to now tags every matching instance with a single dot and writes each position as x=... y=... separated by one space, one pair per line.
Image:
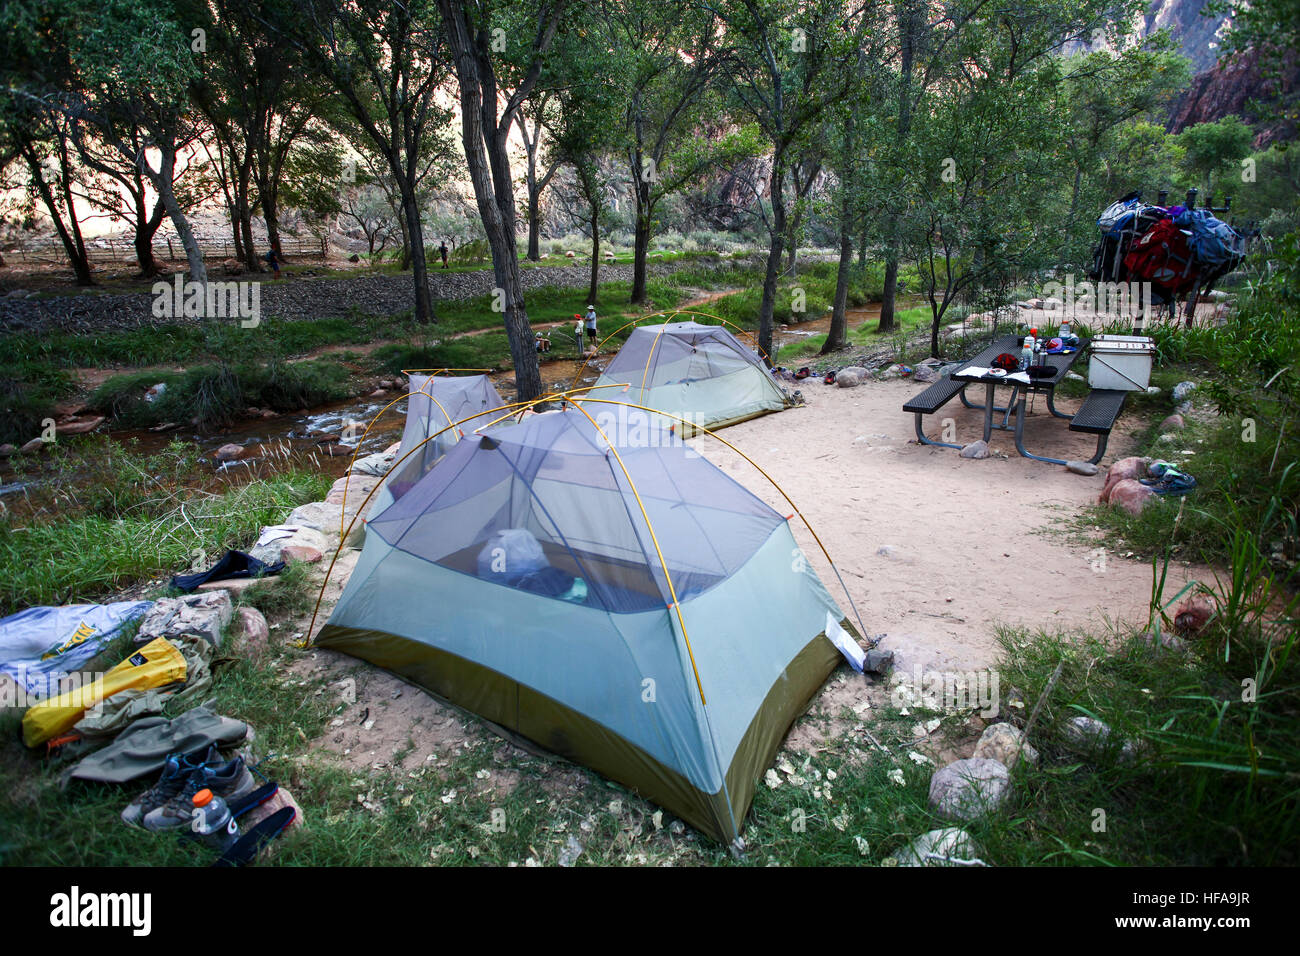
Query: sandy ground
x=936 y=551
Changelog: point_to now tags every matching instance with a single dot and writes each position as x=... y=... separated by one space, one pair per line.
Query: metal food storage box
x=1121 y=362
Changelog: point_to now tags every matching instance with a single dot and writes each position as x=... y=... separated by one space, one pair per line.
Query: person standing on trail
x=442 y=251
x=274 y=261
x=590 y=323
x=577 y=332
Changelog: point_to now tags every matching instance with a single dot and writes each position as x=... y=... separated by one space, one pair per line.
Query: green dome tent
x=633 y=609
x=701 y=373
x=435 y=402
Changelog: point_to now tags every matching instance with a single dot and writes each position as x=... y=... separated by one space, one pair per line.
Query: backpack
x=1108 y=256
x=1215 y=245
x=1162 y=257
x=1119 y=214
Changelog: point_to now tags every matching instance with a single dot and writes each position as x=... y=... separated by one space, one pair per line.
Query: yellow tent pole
x=344 y=536
x=437 y=371
x=677 y=605
x=789 y=500
x=648 y=359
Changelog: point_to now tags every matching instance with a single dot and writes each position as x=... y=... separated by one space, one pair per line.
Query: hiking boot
x=177 y=769
x=230 y=781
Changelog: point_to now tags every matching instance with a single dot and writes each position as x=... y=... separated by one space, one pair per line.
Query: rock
x=1075 y=377
x=878 y=662
x=155 y=392
x=937 y=848
x=1183 y=391
x=1167 y=641
x=231 y=585
x=857 y=370
x=356 y=488
x=847 y=379
x=335 y=450
x=569 y=255
x=1131 y=495
x=572 y=848
x=79 y=427
x=1086 y=733
x=354 y=258
x=1123 y=469
x=1005 y=744
x=272 y=551
x=378 y=393
x=322 y=516
x=253 y=632
x=232 y=267
x=1193 y=614
x=976 y=449
x=1081 y=467
x=201 y=614
x=1173 y=423
x=1153 y=389
x=7 y=449
x=301 y=553
x=1184 y=409
x=36 y=444
x=229 y=452
x=925 y=374
x=968 y=789
x=376 y=464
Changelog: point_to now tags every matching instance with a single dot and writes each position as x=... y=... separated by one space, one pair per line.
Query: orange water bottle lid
x=202 y=798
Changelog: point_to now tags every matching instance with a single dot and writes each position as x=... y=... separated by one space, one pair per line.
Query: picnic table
x=1096 y=415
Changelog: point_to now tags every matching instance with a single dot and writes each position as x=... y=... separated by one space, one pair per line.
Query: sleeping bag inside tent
x=701 y=373
x=633 y=609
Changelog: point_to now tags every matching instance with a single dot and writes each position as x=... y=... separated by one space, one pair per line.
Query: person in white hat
x=590 y=323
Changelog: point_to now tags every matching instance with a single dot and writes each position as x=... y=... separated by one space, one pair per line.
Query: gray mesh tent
x=435 y=402
x=701 y=373
x=633 y=609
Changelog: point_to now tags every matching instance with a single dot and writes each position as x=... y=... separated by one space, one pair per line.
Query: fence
x=104 y=250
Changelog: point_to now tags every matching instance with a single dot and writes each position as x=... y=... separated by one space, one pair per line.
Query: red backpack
x=1162 y=257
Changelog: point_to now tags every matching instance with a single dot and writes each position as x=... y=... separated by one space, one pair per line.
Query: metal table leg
x=1020 y=436
x=1051 y=394
x=988 y=411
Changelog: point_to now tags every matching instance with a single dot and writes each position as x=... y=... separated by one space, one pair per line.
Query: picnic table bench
x=1097 y=415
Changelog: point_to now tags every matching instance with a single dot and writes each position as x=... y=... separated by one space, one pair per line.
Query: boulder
x=356 y=488
x=1173 y=423
x=320 y=516
x=273 y=540
x=202 y=614
x=570 y=254
x=1086 y=733
x=878 y=662
x=1193 y=614
x=937 y=848
x=1183 y=391
x=925 y=374
x=1006 y=744
x=7 y=449
x=302 y=553
x=335 y=450
x=1081 y=467
x=847 y=379
x=36 y=444
x=1131 y=495
x=232 y=267
x=969 y=789
x=254 y=634
x=976 y=449
x=79 y=426
x=1123 y=469
x=231 y=452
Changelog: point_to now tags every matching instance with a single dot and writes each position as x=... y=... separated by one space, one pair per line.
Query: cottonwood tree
x=387 y=64
x=488 y=41
x=785 y=63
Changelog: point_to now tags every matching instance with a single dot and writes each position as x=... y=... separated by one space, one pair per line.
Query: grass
x=103 y=517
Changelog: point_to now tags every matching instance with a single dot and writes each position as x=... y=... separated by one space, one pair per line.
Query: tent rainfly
x=701 y=373
x=633 y=609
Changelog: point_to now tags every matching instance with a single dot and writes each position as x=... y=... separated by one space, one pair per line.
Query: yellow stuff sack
x=157 y=663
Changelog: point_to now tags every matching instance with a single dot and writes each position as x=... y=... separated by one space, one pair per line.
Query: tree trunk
x=887 y=322
x=146 y=228
x=271 y=212
x=72 y=244
x=534 y=225
x=162 y=184
x=837 y=338
x=768 y=305
x=641 y=241
x=246 y=227
x=415 y=249
x=595 y=256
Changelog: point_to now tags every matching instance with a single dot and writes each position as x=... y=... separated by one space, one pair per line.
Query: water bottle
x=1027 y=352
x=1064 y=332
x=211 y=821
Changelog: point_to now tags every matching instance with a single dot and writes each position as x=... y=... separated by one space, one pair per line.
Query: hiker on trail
x=590 y=322
x=274 y=261
x=442 y=251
